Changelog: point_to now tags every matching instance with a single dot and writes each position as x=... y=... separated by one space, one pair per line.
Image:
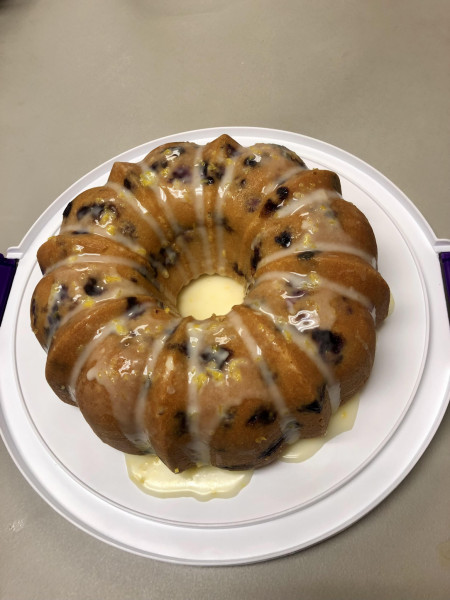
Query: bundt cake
x=231 y=390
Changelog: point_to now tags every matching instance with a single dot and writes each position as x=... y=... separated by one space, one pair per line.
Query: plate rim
x=237 y=132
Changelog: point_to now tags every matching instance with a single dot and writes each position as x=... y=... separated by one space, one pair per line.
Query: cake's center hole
x=208 y=295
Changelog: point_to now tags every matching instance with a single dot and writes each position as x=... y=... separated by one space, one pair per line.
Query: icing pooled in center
x=208 y=295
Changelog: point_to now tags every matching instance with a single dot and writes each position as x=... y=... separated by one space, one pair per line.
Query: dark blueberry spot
x=150 y=274
x=181 y=172
x=53 y=318
x=91 y=288
x=34 y=311
x=82 y=212
x=272 y=449
x=306 y=255
x=251 y=161
x=168 y=256
x=63 y=293
x=243 y=182
x=228 y=418
x=95 y=210
x=78 y=232
x=316 y=405
x=210 y=172
x=230 y=150
x=237 y=270
x=269 y=208
x=67 y=210
x=256 y=257
x=252 y=204
x=164 y=164
x=154 y=264
x=284 y=239
x=134 y=307
x=133 y=279
x=328 y=342
x=240 y=467
x=155 y=165
x=263 y=416
x=219 y=171
x=216 y=357
x=188 y=235
x=291 y=156
x=128 y=229
x=127 y=183
x=176 y=151
x=181 y=425
x=226 y=225
x=292 y=294
x=131 y=302
x=282 y=192
x=181 y=347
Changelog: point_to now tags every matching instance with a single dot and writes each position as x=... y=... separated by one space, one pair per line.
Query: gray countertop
x=83 y=81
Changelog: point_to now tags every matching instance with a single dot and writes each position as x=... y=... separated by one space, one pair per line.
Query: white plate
x=286 y=506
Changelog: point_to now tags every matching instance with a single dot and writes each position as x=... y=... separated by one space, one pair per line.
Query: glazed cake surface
x=231 y=390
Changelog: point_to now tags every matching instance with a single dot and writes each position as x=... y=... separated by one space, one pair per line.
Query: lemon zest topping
x=147 y=178
x=112 y=278
x=120 y=328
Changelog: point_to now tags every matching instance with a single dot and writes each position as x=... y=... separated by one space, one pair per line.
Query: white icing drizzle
x=318 y=246
x=269 y=188
x=200 y=446
x=287 y=422
x=222 y=188
x=161 y=198
x=52 y=327
x=106 y=233
x=303 y=281
x=299 y=201
x=87 y=257
x=102 y=333
x=141 y=438
x=199 y=206
x=300 y=280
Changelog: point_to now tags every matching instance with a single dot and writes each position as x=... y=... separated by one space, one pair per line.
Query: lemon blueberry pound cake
x=230 y=390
